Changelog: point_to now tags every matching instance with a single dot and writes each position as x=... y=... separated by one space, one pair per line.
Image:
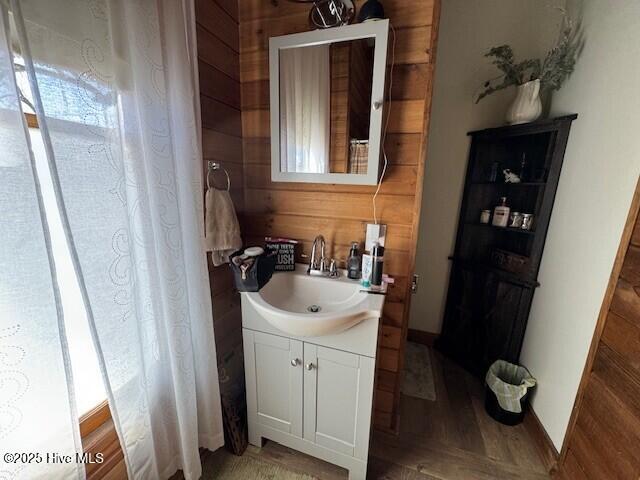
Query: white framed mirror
x=326 y=99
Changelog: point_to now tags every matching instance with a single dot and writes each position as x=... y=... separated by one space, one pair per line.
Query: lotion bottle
x=501 y=213
x=366 y=270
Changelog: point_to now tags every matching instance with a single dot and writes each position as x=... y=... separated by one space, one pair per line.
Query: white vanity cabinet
x=310 y=372
x=309 y=397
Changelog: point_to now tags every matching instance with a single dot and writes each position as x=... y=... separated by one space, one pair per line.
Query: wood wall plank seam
x=210 y=97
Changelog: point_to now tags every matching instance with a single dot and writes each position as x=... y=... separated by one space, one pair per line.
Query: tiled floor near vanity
x=449 y=439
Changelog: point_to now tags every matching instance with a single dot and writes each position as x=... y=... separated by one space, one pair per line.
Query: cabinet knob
x=295 y=362
x=310 y=366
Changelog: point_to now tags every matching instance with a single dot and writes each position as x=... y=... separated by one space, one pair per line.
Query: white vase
x=526 y=107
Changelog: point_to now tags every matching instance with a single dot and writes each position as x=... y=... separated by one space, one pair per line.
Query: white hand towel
x=222 y=231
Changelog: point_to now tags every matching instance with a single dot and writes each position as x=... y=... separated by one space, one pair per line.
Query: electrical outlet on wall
x=375 y=233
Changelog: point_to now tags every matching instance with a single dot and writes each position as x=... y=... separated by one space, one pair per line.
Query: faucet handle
x=333 y=269
x=323 y=265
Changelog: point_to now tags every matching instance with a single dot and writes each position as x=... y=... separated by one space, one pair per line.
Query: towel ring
x=212 y=167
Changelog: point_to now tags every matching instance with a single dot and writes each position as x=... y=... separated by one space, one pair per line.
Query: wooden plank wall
x=340 y=212
x=99 y=436
x=219 y=69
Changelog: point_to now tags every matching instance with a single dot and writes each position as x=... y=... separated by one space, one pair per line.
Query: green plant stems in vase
x=535 y=77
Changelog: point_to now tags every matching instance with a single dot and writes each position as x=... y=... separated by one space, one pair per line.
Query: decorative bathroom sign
x=285 y=250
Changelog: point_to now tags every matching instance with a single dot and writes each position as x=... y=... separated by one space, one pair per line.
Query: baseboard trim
x=425 y=338
x=548 y=453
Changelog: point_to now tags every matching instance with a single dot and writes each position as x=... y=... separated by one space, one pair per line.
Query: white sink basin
x=288 y=300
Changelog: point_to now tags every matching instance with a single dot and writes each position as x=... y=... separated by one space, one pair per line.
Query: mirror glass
x=325 y=107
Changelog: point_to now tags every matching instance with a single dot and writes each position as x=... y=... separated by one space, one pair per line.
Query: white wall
x=600 y=171
x=598 y=178
x=468 y=29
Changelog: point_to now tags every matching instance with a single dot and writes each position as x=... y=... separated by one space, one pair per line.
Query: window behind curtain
x=88 y=385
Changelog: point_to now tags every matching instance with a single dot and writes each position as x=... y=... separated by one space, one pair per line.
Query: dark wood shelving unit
x=485 y=266
x=518 y=231
x=503 y=184
x=487 y=307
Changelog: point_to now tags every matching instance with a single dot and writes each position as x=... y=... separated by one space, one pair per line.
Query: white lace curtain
x=34 y=365
x=116 y=97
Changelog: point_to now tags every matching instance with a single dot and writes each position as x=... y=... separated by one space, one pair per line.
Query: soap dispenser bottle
x=501 y=213
x=354 y=263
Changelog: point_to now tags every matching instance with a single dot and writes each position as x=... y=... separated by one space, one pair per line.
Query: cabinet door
x=485 y=318
x=338 y=392
x=274 y=381
x=506 y=311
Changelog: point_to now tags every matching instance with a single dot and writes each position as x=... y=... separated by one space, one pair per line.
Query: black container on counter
x=377 y=257
x=252 y=273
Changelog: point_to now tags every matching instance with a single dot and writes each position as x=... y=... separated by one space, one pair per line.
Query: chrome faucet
x=321 y=265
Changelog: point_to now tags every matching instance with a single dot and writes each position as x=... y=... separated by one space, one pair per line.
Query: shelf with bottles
x=515 y=213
